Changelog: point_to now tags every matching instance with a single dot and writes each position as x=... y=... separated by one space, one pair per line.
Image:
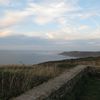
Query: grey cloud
x=37 y=43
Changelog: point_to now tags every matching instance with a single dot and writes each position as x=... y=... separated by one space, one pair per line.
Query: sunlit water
x=29 y=57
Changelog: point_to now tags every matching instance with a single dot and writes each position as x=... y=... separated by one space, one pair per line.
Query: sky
x=50 y=25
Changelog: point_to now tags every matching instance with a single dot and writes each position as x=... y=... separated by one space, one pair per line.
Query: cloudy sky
x=50 y=24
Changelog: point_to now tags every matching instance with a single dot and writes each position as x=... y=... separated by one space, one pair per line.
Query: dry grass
x=14 y=80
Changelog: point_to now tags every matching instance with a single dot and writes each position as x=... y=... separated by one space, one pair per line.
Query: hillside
x=81 y=54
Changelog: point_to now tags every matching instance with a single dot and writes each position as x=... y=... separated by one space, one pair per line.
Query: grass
x=77 y=90
x=15 y=80
x=87 y=89
x=68 y=66
x=79 y=61
x=92 y=90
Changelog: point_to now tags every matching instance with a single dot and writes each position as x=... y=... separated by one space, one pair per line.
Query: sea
x=29 y=57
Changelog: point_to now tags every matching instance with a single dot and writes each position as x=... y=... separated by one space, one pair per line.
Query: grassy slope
x=30 y=76
x=92 y=90
x=15 y=80
x=83 y=61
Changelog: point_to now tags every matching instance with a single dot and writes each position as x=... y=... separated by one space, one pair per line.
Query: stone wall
x=57 y=88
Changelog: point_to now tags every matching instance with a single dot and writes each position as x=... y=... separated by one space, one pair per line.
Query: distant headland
x=81 y=53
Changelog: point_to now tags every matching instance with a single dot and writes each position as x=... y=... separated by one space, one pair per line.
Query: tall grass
x=16 y=80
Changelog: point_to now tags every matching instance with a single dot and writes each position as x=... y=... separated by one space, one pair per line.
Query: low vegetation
x=15 y=80
x=88 y=88
x=91 y=90
x=79 y=61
